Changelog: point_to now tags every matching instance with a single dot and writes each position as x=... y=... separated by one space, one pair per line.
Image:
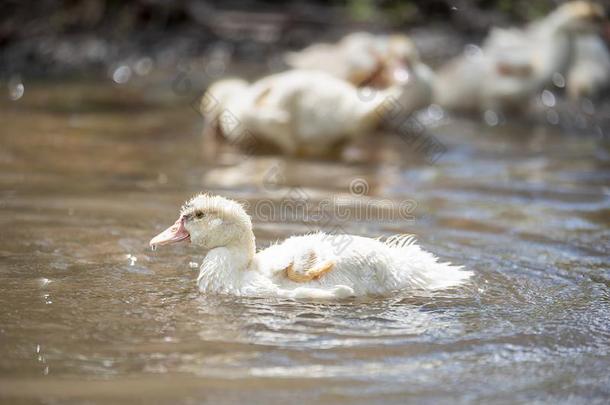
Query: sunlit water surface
x=89 y=173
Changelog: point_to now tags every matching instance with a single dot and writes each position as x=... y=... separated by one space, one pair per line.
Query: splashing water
x=132 y=259
x=16 y=88
x=122 y=74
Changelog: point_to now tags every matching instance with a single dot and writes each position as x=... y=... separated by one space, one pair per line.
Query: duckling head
x=579 y=17
x=209 y=222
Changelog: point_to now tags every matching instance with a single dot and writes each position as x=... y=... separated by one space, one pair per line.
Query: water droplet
x=143 y=66
x=366 y=93
x=491 y=118
x=15 y=88
x=401 y=75
x=122 y=74
x=132 y=259
x=153 y=247
x=37 y=348
x=435 y=112
x=215 y=68
x=43 y=282
x=559 y=80
x=276 y=63
x=552 y=117
x=193 y=265
x=587 y=106
x=548 y=98
x=580 y=121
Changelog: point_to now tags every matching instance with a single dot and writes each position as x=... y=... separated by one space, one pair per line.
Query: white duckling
x=589 y=75
x=514 y=65
x=300 y=111
x=308 y=266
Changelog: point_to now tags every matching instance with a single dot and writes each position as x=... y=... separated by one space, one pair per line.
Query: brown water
x=90 y=172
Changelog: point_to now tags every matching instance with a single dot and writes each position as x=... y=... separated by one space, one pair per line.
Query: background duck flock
x=335 y=92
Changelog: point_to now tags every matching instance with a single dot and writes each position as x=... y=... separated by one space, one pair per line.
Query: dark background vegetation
x=51 y=37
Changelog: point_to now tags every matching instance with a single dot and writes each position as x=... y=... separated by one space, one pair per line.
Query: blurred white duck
x=308 y=266
x=300 y=111
x=514 y=65
x=363 y=59
x=590 y=73
x=378 y=61
x=354 y=58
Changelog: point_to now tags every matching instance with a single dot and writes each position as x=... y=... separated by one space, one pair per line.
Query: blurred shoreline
x=55 y=38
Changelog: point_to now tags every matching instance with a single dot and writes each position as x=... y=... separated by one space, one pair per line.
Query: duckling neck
x=224 y=267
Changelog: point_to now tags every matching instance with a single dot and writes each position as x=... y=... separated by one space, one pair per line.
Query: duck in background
x=354 y=58
x=301 y=112
x=514 y=65
x=378 y=61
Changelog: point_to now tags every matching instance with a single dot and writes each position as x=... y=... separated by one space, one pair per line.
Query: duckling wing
x=307 y=267
x=274 y=259
x=299 y=259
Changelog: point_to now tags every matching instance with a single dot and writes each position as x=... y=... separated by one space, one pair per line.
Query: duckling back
x=367 y=266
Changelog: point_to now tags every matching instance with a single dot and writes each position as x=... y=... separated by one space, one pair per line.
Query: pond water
x=90 y=172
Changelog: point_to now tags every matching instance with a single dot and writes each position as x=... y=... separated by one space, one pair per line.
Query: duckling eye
x=199 y=215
